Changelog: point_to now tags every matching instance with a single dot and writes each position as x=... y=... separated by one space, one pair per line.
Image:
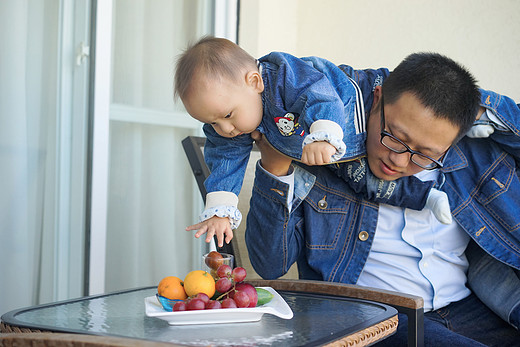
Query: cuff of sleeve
x=271 y=185
x=221 y=198
x=234 y=215
x=327 y=126
x=340 y=146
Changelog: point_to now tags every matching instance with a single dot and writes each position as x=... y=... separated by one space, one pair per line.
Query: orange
x=171 y=287
x=199 y=281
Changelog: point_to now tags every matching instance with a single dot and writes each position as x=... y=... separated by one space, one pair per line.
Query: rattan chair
x=48 y=339
x=410 y=305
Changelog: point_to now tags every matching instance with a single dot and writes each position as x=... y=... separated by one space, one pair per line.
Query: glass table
x=319 y=319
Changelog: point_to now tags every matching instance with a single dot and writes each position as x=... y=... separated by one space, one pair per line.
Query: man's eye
x=229 y=115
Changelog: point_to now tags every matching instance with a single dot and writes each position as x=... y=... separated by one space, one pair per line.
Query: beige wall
x=482 y=35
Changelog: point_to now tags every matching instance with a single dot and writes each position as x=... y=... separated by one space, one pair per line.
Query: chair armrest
x=410 y=305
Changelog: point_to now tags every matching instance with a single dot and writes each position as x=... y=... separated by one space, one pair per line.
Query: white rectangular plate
x=277 y=306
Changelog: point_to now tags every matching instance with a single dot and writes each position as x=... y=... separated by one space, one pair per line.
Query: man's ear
x=254 y=79
x=378 y=92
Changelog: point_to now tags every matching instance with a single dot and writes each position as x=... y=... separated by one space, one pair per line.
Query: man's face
x=412 y=123
x=232 y=107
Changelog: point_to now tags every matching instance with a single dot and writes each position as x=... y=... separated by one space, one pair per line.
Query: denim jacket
x=330 y=228
x=300 y=95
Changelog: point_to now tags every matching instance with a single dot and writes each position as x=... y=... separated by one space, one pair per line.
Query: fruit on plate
x=244 y=288
x=199 y=281
x=227 y=289
x=214 y=259
x=264 y=296
x=171 y=287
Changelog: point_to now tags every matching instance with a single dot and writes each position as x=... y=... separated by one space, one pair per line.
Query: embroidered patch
x=377 y=82
x=288 y=125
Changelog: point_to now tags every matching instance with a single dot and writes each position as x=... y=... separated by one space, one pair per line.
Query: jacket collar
x=454 y=160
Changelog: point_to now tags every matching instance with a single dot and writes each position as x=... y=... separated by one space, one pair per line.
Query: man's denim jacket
x=304 y=100
x=331 y=241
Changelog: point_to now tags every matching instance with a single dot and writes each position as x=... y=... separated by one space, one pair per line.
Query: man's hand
x=318 y=153
x=273 y=161
x=214 y=226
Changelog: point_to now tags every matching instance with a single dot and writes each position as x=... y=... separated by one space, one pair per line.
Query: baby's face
x=232 y=107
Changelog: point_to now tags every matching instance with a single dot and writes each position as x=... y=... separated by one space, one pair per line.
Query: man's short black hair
x=441 y=84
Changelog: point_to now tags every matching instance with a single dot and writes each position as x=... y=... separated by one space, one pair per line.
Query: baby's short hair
x=216 y=57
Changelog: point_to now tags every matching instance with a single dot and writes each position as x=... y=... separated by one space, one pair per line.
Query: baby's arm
x=219 y=217
x=219 y=226
x=408 y=192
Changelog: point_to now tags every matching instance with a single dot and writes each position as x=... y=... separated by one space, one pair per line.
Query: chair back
x=194 y=149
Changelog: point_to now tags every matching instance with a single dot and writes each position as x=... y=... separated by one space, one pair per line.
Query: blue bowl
x=166 y=303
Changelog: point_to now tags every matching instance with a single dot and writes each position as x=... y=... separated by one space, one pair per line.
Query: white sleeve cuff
x=222 y=204
x=327 y=126
x=221 y=198
x=329 y=131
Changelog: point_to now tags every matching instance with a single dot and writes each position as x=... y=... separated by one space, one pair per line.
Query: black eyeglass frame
x=436 y=163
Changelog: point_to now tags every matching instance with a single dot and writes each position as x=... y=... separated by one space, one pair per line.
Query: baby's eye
x=229 y=115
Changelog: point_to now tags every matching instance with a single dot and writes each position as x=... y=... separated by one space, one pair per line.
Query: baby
x=308 y=108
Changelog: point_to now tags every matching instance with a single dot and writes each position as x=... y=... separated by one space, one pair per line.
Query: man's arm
x=271 y=236
x=507 y=120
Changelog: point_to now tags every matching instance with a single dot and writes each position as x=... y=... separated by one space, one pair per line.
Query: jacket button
x=363 y=236
x=322 y=204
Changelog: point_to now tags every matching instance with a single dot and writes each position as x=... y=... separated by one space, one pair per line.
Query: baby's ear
x=254 y=79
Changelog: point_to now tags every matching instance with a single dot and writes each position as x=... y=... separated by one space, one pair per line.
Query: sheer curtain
x=152 y=194
x=32 y=179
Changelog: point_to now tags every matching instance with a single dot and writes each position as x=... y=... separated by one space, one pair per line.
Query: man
x=415 y=121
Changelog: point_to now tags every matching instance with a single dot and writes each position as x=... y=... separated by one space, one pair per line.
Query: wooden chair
x=410 y=305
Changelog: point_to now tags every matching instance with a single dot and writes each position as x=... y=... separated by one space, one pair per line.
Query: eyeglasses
x=394 y=144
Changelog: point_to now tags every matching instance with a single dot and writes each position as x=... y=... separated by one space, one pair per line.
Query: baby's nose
x=227 y=127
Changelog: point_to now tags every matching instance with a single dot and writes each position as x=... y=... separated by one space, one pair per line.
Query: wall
x=481 y=35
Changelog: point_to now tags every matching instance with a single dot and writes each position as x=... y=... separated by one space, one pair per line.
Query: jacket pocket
x=499 y=193
x=325 y=217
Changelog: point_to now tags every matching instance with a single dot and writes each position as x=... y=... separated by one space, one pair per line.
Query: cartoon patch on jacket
x=288 y=125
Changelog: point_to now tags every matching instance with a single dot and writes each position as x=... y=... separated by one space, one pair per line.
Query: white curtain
x=151 y=188
x=28 y=36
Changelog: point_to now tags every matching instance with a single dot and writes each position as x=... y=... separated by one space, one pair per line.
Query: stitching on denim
x=492 y=212
x=499 y=184
x=461 y=155
x=457 y=211
x=496 y=232
x=502 y=118
x=479 y=184
x=503 y=187
x=284 y=240
x=480 y=231
x=443 y=313
x=344 y=249
x=510 y=228
x=344 y=195
x=360 y=211
x=334 y=242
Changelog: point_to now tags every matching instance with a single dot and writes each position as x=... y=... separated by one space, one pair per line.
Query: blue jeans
x=467 y=322
x=496 y=284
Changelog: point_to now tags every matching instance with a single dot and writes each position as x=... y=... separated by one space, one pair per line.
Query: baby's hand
x=214 y=226
x=318 y=153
